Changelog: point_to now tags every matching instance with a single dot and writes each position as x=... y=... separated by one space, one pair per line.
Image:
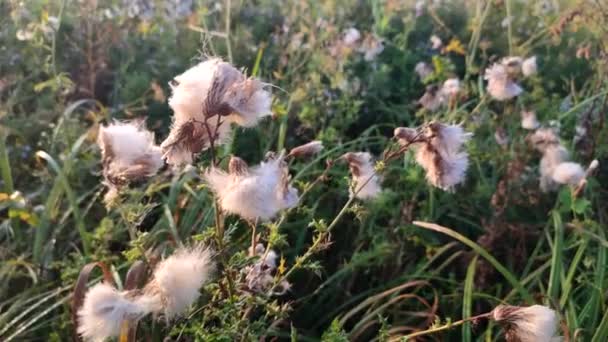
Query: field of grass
x=496 y=195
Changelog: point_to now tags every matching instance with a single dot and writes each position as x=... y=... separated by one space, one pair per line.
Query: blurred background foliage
x=67 y=66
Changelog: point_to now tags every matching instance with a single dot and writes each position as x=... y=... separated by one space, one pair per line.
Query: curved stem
x=445 y=326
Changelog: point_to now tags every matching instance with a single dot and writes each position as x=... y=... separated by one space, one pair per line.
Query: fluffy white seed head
x=553 y=156
x=103 y=311
x=207 y=99
x=512 y=64
x=177 y=280
x=128 y=154
x=451 y=87
x=535 y=323
x=500 y=85
x=528 y=120
x=593 y=166
x=433 y=98
x=442 y=155
x=568 y=173
x=351 y=36
x=529 y=66
x=259 y=193
x=366 y=183
x=371 y=47
x=544 y=138
x=423 y=70
x=436 y=42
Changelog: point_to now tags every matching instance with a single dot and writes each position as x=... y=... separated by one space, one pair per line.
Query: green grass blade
x=467 y=299
x=5 y=166
x=557 y=257
x=481 y=251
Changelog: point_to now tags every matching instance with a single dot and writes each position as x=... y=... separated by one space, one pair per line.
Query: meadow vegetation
x=340 y=170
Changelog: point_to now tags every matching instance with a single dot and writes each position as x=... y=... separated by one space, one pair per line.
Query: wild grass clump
x=335 y=171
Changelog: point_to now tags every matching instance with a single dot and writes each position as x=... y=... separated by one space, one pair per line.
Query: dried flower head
x=259 y=276
x=501 y=137
x=436 y=42
x=512 y=65
x=206 y=100
x=535 y=323
x=451 y=87
x=529 y=66
x=366 y=183
x=177 y=280
x=306 y=150
x=441 y=155
x=543 y=138
x=500 y=85
x=254 y=193
x=103 y=311
x=423 y=70
x=432 y=99
x=568 y=173
x=528 y=120
x=128 y=153
x=371 y=47
x=351 y=36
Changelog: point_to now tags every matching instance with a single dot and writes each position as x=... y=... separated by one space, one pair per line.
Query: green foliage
x=359 y=270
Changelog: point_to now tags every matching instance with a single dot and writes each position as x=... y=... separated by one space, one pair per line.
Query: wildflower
x=371 y=47
x=259 y=276
x=207 y=99
x=529 y=67
x=553 y=156
x=432 y=99
x=176 y=280
x=543 y=138
x=256 y=193
x=419 y=8
x=451 y=87
x=351 y=36
x=423 y=70
x=500 y=85
x=436 y=42
x=308 y=149
x=103 y=311
x=405 y=135
x=128 y=153
x=535 y=323
x=366 y=183
x=455 y=46
x=528 y=120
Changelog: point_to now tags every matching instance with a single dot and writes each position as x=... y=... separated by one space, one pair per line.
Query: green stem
x=445 y=326
x=5 y=167
x=509 y=27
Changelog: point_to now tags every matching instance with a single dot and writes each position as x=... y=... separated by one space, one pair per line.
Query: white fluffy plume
x=529 y=66
x=253 y=193
x=500 y=85
x=366 y=183
x=177 y=280
x=128 y=150
x=103 y=311
x=207 y=99
x=568 y=173
x=535 y=323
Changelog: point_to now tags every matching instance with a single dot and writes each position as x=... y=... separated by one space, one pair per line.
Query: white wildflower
x=535 y=323
x=366 y=183
x=256 y=193
x=177 y=280
x=500 y=85
x=206 y=100
x=351 y=36
x=529 y=66
x=528 y=120
x=553 y=156
x=436 y=42
x=103 y=311
x=419 y=8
